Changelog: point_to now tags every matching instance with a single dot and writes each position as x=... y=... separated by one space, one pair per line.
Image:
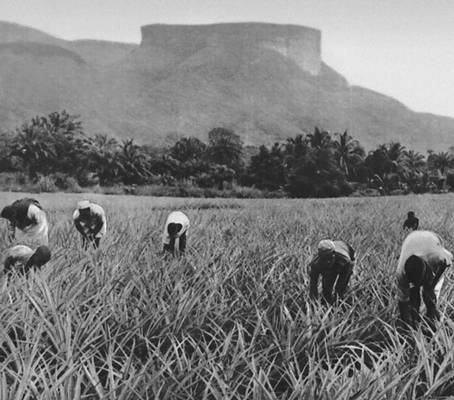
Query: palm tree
x=32 y=144
x=225 y=148
x=319 y=139
x=104 y=142
x=188 y=149
x=134 y=162
x=52 y=143
x=440 y=161
x=439 y=164
x=394 y=151
x=105 y=159
x=413 y=160
x=386 y=162
x=349 y=153
x=412 y=168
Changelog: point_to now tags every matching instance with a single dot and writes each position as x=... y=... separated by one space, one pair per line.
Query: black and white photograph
x=226 y=199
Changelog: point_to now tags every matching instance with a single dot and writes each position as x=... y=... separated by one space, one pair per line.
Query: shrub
x=66 y=182
x=46 y=184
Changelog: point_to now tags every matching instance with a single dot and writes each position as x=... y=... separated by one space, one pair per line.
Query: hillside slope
x=264 y=87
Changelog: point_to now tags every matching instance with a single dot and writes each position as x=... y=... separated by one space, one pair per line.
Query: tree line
x=318 y=164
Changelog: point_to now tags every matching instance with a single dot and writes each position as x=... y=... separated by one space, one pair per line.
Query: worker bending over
x=176 y=227
x=23 y=259
x=29 y=219
x=90 y=220
x=422 y=263
x=334 y=263
x=411 y=223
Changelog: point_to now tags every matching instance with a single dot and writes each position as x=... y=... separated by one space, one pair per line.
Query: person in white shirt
x=23 y=259
x=422 y=263
x=176 y=228
x=29 y=219
x=90 y=220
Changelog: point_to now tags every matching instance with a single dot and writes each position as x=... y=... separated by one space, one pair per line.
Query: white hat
x=83 y=204
x=326 y=246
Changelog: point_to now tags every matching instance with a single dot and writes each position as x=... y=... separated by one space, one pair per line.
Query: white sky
x=403 y=48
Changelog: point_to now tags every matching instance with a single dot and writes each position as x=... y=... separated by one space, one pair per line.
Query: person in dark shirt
x=23 y=259
x=411 y=223
x=334 y=263
x=422 y=263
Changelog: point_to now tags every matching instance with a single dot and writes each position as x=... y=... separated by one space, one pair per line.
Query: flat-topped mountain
x=265 y=81
x=300 y=44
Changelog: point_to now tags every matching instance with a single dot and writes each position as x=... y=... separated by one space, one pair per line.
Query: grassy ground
x=229 y=321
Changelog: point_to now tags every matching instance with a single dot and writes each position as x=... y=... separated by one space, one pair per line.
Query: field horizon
x=229 y=320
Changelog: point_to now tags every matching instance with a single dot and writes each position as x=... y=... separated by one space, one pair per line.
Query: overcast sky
x=403 y=48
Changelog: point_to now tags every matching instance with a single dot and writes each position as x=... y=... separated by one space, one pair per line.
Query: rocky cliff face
x=298 y=43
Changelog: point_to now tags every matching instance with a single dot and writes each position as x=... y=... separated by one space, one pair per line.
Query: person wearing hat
x=334 y=262
x=176 y=228
x=90 y=220
x=411 y=223
x=422 y=263
x=22 y=259
x=29 y=219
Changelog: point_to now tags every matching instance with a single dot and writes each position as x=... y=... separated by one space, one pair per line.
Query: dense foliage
x=231 y=319
x=318 y=164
